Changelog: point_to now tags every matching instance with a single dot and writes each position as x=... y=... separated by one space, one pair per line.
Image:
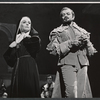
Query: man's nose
x=66 y=15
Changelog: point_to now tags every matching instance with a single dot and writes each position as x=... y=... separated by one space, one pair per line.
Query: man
x=72 y=45
x=48 y=88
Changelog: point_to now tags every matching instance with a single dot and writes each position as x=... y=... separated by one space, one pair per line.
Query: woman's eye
x=29 y=22
x=24 y=21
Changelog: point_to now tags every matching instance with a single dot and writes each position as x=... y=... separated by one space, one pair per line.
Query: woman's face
x=25 y=24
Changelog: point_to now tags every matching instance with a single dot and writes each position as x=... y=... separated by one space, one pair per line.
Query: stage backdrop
x=45 y=17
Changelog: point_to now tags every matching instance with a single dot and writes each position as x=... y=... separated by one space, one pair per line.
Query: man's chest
x=68 y=34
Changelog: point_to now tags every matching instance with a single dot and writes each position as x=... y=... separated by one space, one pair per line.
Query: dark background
x=49 y=0
x=45 y=17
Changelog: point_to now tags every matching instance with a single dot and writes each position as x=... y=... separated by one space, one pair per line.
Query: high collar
x=25 y=33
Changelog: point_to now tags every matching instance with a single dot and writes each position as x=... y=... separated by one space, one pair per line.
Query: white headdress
x=23 y=18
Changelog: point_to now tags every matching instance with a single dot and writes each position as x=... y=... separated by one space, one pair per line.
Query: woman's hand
x=27 y=35
x=21 y=37
x=13 y=44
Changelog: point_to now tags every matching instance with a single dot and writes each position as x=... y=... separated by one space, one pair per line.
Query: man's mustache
x=65 y=18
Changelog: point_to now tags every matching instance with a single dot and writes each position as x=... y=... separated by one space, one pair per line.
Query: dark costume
x=25 y=78
x=71 y=78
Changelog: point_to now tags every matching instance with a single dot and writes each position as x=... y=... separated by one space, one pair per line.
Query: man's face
x=67 y=16
x=49 y=80
x=25 y=25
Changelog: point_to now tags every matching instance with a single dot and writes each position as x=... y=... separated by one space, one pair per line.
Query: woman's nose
x=27 y=23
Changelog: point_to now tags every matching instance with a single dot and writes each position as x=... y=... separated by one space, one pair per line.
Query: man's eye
x=68 y=13
x=63 y=15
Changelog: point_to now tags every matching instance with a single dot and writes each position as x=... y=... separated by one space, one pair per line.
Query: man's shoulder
x=57 y=29
x=79 y=28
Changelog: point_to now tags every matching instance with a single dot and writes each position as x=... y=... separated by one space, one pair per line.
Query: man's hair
x=49 y=76
x=66 y=8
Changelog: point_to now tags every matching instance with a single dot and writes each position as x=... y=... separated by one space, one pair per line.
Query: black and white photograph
x=50 y=50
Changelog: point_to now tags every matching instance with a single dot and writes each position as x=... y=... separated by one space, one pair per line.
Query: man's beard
x=67 y=23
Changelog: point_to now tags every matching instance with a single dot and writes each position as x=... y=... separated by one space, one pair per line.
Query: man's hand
x=76 y=43
x=83 y=38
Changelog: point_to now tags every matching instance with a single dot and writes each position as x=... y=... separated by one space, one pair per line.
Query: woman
x=25 y=79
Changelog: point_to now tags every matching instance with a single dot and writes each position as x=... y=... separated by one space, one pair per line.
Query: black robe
x=25 y=77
